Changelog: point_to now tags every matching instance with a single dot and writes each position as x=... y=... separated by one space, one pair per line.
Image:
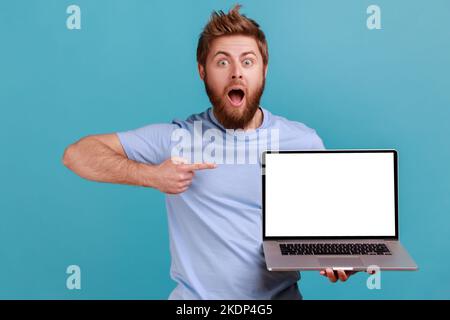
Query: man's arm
x=101 y=158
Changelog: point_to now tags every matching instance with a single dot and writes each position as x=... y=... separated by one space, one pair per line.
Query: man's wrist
x=146 y=175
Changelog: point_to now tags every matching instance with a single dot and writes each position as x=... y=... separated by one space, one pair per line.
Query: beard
x=234 y=117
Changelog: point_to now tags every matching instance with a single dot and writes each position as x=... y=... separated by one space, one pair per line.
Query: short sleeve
x=316 y=142
x=149 y=144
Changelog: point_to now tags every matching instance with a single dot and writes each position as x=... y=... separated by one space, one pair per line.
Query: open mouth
x=236 y=97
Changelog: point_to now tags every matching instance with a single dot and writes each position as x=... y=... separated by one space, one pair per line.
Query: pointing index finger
x=199 y=166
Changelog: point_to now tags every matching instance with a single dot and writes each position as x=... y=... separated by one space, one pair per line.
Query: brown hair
x=232 y=23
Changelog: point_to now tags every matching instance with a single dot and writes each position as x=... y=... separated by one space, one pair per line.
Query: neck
x=256 y=121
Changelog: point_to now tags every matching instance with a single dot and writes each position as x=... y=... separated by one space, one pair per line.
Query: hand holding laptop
x=335 y=275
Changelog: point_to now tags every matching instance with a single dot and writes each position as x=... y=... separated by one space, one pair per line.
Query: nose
x=236 y=73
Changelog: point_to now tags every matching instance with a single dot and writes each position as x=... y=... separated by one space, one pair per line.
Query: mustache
x=236 y=83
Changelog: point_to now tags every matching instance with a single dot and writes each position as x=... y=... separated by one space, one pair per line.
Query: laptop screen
x=330 y=194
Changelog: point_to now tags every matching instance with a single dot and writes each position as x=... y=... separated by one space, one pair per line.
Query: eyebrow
x=229 y=55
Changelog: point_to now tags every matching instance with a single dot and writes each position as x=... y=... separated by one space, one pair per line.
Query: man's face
x=234 y=78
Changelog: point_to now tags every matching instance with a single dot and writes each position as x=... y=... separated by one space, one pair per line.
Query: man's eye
x=247 y=62
x=223 y=63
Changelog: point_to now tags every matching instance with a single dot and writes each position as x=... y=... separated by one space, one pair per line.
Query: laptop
x=331 y=209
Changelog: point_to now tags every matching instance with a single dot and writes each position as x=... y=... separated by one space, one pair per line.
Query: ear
x=201 y=71
x=265 y=70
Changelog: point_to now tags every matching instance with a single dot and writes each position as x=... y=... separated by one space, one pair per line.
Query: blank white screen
x=330 y=194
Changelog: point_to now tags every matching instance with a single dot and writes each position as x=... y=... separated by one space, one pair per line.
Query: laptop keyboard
x=334 y=249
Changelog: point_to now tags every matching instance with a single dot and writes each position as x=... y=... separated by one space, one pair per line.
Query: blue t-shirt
x=215 y=227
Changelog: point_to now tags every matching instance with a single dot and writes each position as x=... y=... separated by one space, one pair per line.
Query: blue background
x=133 y=63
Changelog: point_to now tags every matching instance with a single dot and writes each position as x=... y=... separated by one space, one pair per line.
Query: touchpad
x=340 y=262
